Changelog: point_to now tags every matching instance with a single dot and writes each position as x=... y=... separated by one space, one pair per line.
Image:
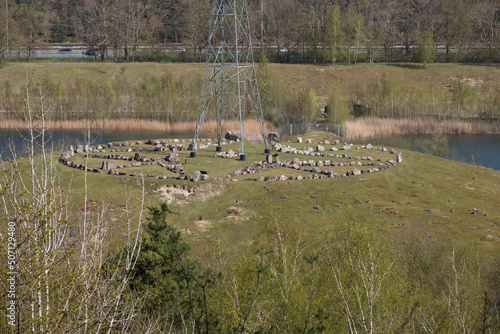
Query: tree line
x=294 y=30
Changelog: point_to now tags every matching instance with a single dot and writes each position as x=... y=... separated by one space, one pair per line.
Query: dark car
x=92 y=52
x=64 y=51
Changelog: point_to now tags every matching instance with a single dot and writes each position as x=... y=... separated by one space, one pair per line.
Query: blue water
x=484 y=148
x=62 y=138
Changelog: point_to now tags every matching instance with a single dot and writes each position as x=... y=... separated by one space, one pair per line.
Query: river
x=484 y=149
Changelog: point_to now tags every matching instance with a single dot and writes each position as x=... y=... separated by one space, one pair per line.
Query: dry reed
x=372 y=127
x=252 y=131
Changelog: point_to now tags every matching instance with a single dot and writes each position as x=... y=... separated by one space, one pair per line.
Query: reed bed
x=252 y=131
x=372 y=127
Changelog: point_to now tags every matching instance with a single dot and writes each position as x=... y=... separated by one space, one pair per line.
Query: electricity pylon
x=230 y=80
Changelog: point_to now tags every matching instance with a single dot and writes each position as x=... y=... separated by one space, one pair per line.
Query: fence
x=295 y=129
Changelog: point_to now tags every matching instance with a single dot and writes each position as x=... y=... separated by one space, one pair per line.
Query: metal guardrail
x=295 y=129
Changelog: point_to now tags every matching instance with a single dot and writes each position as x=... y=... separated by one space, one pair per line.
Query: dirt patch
x=182 y=194
x=203 y=225
x=236 y=213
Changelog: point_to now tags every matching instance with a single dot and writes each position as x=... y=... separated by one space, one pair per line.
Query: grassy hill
x=444 y=198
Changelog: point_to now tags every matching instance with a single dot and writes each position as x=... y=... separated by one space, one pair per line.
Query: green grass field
x=349 y=80
x=423 y=192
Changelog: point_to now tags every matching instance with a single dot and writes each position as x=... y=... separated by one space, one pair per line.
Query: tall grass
x=209 y=127
x=370 y=127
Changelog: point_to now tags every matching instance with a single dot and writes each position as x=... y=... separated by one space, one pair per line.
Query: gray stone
x=71 y=149
x=196 y=175
x=320 y=148
x=299 y=139
x=334 y=149
x=259 y=178
x=269 y=159
x=399 y=157
x=112 y=164
x=79 y=149
x=113 y=172
x=283 y=178
x=104 y=165
x=270 y=178
x=316 y=170
x=337 y=142
x=369 y=146
x=273 y=136
x=299 y=177
x=345 y=147
x=327 y=142
x=232 y=136
x=356 y=171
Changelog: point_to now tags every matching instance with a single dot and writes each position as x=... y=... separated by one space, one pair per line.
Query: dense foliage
x=356 y=277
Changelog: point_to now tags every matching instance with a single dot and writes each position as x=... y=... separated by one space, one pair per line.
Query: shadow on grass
x=407 y=65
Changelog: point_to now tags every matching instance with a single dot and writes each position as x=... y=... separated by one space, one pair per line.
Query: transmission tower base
x=242 y=157
x=192 y=154
x=218 y=149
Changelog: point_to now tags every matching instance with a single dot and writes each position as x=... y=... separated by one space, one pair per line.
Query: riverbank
x=209 y=127
x=373 y=127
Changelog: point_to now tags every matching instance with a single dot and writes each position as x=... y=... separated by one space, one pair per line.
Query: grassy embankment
x=427 y=194
x=148 y=95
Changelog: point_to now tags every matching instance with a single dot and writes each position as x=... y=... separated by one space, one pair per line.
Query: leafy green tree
x=174 y=286
x=353 y=26
x=338 y=111
x=334 y=36
x=426 y=48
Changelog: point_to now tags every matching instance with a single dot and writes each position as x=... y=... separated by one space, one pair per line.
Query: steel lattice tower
x=230 y=80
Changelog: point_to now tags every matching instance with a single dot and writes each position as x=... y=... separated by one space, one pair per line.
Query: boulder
x=399 y=157
x=320 y=148
x=173 y=157
x=327 y=142
x=270 y=178
x=299 y=139
x=232 y=136
x=309 y=141
x=273 y=136
x=356 y=171
x=336 y=142
x=79 y=149
x=72 y=150
x=283 y=178
x=196 y=175
x=113 y=172
x=269 y=159
x=345 y=147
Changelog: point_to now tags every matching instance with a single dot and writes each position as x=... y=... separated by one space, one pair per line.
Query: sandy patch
x=182 y=194
x=203 y=225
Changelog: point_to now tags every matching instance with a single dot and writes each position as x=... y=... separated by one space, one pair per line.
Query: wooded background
x=296 y=30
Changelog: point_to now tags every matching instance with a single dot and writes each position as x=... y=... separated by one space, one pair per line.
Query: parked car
x=64 y=51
